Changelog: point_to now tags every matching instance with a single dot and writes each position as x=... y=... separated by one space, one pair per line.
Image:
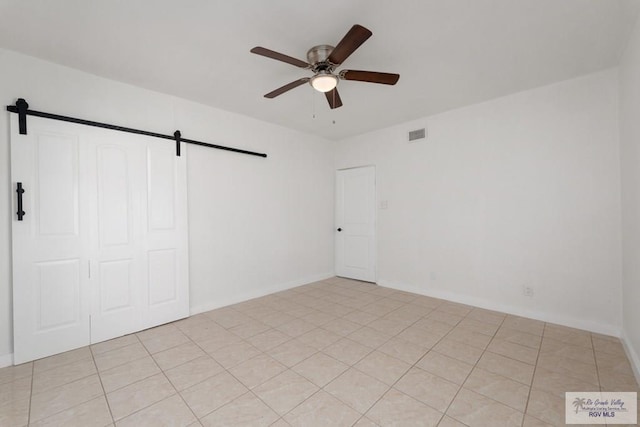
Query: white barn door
x=113 y=167
x=102 y=248
x=166 y=262
x=51 y=243
x=355 y=223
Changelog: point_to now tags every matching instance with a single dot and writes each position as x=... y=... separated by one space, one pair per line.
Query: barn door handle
x=20 y=192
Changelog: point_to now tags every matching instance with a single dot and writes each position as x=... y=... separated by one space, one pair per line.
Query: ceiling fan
x=323 y=61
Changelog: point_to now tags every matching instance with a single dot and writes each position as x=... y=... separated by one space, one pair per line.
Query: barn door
x=166 y=262
x=50 y=243
x=139 y=237
x=102 y=248
x=113 y=163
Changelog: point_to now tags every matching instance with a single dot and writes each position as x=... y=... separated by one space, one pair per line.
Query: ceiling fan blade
x=370 y=76
x=349 y=43
x=287 y=87
x=279 y=57
x=334 y=98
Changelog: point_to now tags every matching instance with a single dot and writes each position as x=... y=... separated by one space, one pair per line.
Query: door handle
x=339 y=229
x=20 y=192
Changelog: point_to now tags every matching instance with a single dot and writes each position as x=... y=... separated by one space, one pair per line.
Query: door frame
x=374 y=254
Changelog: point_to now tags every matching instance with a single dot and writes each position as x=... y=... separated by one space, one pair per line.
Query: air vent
x=417 y=134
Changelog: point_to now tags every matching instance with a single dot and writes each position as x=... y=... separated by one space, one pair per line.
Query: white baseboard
x=6 y=360
x=245 y=296
x=632 y=355
x=559 y=319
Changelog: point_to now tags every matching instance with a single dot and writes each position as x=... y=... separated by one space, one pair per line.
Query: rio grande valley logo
x=579 y=403
x=601 y=407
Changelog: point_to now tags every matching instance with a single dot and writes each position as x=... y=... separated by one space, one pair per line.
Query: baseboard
x=6 y=360
x=632 y=355
x=235 y=299
x=505 y=308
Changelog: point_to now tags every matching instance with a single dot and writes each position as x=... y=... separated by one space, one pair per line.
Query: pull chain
x=313 y=104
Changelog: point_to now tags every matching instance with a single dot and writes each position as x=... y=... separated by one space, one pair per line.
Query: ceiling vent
x=417 y=134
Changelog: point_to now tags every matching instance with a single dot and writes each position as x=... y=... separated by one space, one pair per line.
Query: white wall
x=519 y=191
x=256 y=225
x=630 y=157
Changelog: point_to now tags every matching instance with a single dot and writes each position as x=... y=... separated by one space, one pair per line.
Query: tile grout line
x=128 y=361
x=310 y=396
x=444 y=414
x=431 y=310
x=62 y=385
x=162 y=371
x=33 y=373
x=200 y=382
x=104 y=393
x=249 y=390
x=177 y=393
x=278 y=416
x=138 y=381
x=330 y=356
x=231 y=374
x=530 y=386
x=352 y=366
x=595 y=358
x=535 y=367
x=307 y=379
x=414 y=364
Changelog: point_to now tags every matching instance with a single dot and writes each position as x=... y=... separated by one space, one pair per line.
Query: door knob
x=339 y=229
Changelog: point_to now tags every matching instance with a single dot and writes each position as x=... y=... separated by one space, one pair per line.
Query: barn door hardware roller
x=177 y=136
x=22 y=109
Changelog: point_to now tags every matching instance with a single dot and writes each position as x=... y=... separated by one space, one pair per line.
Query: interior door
x=50 y=243
x=355 y=223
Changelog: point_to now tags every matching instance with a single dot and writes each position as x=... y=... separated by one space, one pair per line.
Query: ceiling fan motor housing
x=318 y=55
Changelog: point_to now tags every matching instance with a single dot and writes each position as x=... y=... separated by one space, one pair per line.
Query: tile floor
x=331 y=353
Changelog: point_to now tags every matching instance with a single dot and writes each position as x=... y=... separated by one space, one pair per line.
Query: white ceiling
x=449 y=53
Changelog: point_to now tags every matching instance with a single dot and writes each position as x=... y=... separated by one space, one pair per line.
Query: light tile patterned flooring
x=331 y=353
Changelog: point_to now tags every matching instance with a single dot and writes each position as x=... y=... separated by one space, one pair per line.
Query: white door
x=355 y=223
x=139 y=259
x=102 y=248
x=114 y=170
x=166 y=262
x=51 y=243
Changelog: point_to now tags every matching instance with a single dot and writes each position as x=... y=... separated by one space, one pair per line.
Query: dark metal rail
x=22 y=109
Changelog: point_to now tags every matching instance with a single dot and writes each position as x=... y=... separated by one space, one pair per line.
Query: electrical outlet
x=528 y=291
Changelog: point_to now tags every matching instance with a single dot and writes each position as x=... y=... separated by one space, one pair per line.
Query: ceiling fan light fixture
x=324 y=82
x=323 y=60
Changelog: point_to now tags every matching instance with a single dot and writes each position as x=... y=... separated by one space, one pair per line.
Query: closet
x=100 y=238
